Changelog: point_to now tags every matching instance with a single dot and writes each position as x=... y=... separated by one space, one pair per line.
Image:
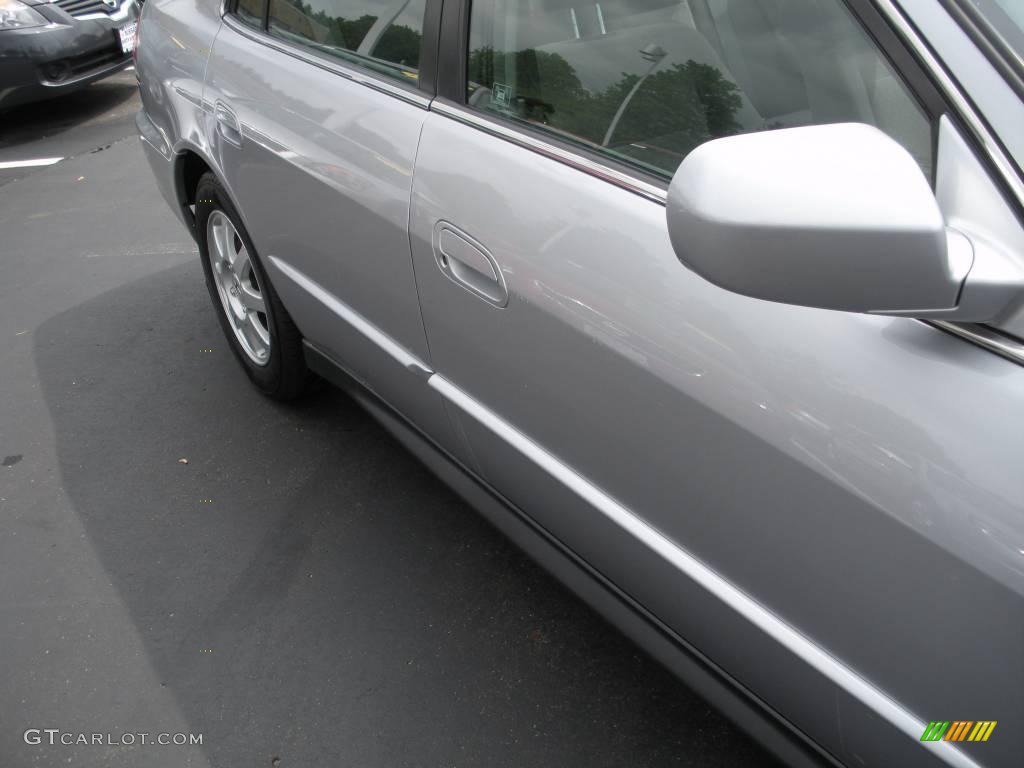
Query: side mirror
x=833 y=216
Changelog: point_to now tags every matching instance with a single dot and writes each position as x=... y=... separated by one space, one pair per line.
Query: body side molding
x=791 y=745
x=400 y=354
x=657 y=543
x=808 y=651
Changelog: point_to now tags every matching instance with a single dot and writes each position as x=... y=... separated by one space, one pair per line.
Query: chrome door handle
x=227 y=123
x=466 y=262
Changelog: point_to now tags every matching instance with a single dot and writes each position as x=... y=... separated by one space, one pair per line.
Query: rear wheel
x=257 y=326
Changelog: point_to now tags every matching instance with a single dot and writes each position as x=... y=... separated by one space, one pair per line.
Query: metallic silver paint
x=346 y=314
x=464 y=261
x=840 y=217
x=349 y=72
x=981 y=97
x=647 y=189
x=1008 y=347
x=974 y=206
x=227 y=124
x=833 y=216
x=626 y=181
x=171 y=66
x=691 y=567
x=955 y=47
x=795 y=451
x=323 y=177
x=835 y=499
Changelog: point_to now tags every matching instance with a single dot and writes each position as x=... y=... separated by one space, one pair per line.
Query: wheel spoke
x=216 y=244
x=241 y=265
x=222 y=235
x=261 y=333
x=246 y=331
x=250 y=298
x=254 y=334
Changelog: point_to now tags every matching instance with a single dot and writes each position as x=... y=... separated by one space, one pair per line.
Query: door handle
x=465 y=261
x=227 y=123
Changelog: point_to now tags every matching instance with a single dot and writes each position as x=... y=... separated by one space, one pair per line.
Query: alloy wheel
x=238 y=287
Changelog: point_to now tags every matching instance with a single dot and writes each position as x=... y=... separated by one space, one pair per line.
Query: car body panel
x=827 y=506
x=324 y=175
x=171 y=67
x=718 y=687
x=796 y=452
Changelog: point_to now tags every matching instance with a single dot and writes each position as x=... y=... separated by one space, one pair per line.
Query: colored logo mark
x=958 y=730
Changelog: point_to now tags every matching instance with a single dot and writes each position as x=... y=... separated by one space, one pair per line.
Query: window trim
x=989 y=41
x=622 y=175
x=453 y=51
x=419 y=94
x=429 y=45
x=960 y=108
x=992 y=339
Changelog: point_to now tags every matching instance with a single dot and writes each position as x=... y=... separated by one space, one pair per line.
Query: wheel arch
x=189 y=166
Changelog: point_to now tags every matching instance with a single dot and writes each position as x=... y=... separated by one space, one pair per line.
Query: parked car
x=52 y=47
x=716 y=307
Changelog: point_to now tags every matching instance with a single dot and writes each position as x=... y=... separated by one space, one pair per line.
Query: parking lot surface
x=301 y=592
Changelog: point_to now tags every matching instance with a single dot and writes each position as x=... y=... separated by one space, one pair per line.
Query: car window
x=381 y=35
x=250 y=12
x=646 y=81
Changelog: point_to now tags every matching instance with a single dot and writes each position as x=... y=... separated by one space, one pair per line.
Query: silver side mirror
x=833 y=216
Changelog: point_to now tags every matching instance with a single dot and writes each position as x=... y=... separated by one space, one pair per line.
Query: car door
x=314 y=114
x=826 y=505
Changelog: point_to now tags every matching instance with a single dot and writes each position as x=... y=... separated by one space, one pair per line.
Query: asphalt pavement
x=301 y=592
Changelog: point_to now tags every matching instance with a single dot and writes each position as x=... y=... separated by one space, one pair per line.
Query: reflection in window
x=251 y=12
x=379 y=35
x=647 y=81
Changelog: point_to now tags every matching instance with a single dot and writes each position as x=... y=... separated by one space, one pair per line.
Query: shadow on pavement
x=29 y=122
x=357 y=612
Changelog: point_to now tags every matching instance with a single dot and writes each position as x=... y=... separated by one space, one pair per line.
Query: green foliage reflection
x=674 y=110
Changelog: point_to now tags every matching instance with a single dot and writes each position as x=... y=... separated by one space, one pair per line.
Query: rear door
x=314 y=114
x=827 y=505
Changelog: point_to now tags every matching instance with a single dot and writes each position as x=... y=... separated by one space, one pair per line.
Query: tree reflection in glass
x=655 y=118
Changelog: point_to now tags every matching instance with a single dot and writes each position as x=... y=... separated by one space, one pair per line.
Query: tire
x=258 y=328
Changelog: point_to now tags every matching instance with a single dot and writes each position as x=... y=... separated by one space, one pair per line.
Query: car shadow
x=308 y=591
x=28 y=122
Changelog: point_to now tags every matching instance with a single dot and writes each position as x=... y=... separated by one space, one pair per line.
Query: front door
x=803 y=495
